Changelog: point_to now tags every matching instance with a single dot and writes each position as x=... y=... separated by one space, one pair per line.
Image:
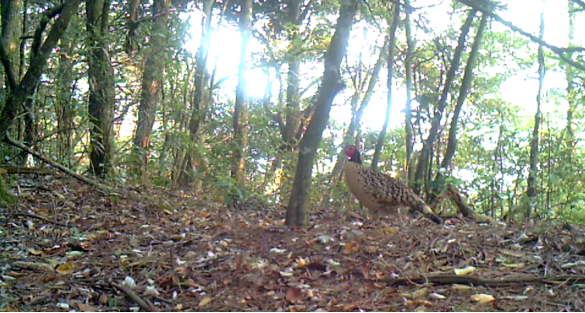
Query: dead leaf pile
x=67 y=247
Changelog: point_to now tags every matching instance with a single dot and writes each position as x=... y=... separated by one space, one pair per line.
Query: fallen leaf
x=294 y=295
x=203 y=214
x=437 y=296
x=205 y=301
x=66 y=269
x=461 y=287
x=482 y=298
x=35 y=252
x=420 y=293
x=86 y=308
x=515 y=265
x=371 y=249
x=464 y=271
x=351 y=247
x=390 y=230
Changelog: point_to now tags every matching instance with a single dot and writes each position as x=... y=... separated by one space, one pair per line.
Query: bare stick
x=134 y=297
x=60 y=167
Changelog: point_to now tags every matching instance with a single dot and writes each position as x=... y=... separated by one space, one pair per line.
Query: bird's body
x=380 y=193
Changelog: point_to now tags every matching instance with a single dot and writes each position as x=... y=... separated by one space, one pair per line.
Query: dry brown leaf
x=294 y=295
x=205 y=301
x=482 y=298
x=390 y=230
x=86 y=308
x=184 y=271
x=351 y=247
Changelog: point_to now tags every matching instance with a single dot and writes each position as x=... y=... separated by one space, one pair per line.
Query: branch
x=12 y=83
x=478 y=281
x=38 y=36
x=304 y=13
x=143 y=304
x=559 y=51
x=60 y=167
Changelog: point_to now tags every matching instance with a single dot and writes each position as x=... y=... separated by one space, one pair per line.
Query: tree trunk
x=408 y=131
x=296 y=214
x=101 y=88
x=152 y=81
x=423 y=161
x=293 y=59
x=390 y=64
x=240 y=121
x=132 y=25
x=201 y=95
x=11 y=31
x=21 y=91
x=356 y=117
x=571 y=92
x=465 y=85
x=66 y=109
x=531 y=191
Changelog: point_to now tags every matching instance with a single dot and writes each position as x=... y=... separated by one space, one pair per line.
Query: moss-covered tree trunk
x=152 y=81
x=11 y=31
x=101 y=87
x=20 y=91
x=296 y=214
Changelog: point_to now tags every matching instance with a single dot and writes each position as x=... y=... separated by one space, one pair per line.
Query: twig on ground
x=143 y=304
x=37 y=217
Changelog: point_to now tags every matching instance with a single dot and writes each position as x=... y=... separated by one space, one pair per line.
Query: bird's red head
x=353 y=154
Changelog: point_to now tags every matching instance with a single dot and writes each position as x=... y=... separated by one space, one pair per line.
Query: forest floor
x=69 y=247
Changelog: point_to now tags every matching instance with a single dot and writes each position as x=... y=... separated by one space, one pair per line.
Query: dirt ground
x=69 y=247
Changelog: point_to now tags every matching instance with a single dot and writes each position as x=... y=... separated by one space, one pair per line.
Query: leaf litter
x=68 y=247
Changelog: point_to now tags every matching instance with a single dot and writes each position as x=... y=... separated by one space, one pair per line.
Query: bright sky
x=520 y=89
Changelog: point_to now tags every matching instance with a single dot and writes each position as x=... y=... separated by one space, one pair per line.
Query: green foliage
x=6 y=196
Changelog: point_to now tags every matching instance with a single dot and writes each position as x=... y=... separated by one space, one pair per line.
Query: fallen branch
x=462 y=205
x=37 y=217
x=102 y=187
x=477 y=281
x=145 y=306
x=26 y=170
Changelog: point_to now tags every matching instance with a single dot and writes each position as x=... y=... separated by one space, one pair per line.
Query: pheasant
x=379 y=192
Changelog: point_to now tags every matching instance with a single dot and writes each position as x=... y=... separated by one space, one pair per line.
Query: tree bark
x=20 y=91
x=201 y=95
x=132 y=24
x=531 y=190
x=293 y=59
x=152 y=81
x=65 y=109
x=436 y=121
x=240 y=121
x=390 y=64
x=296 y=214
x=101 y=88
x=571 y=92
x=11 y=31
x=465 y=85
x=408 y=131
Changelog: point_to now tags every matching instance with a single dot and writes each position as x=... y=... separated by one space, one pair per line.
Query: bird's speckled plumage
x=380 y=193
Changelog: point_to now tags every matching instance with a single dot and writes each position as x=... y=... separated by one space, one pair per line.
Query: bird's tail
x=426 y=211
